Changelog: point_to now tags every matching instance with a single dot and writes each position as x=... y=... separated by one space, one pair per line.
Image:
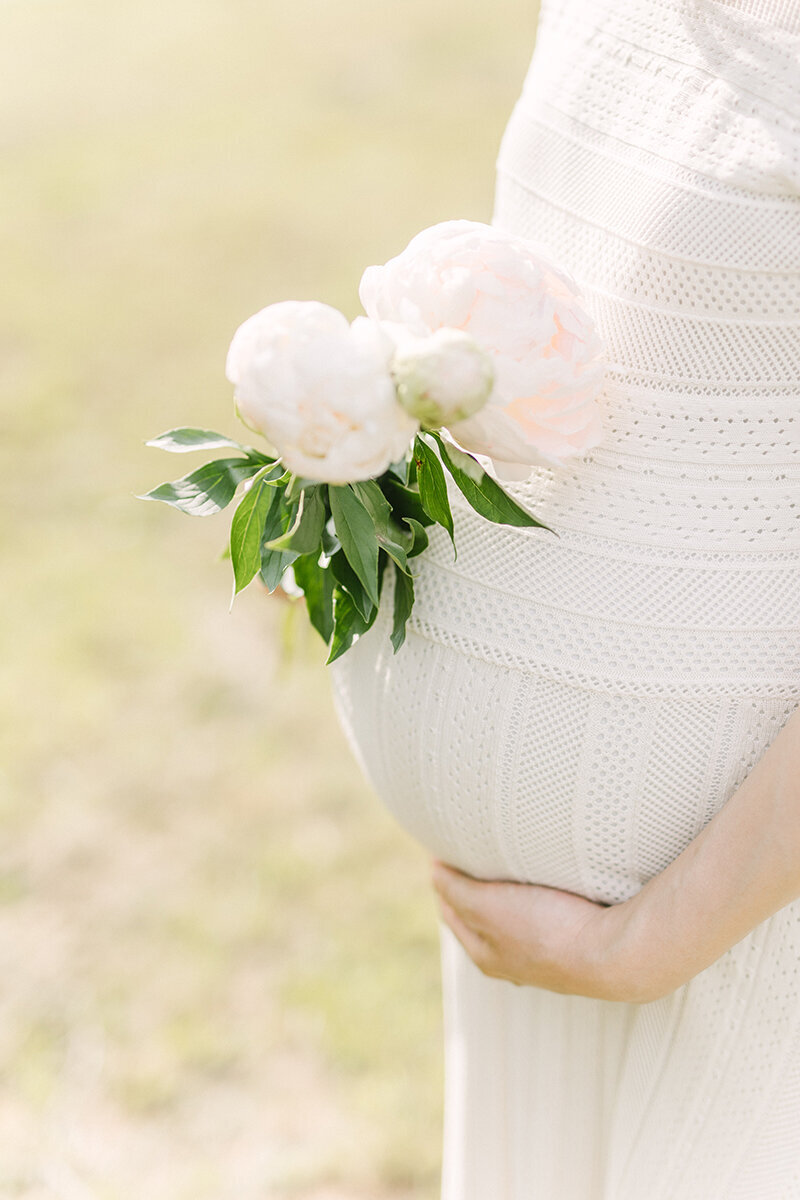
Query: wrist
x=628 y=955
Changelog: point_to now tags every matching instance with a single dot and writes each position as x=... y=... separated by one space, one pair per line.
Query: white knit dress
x=572 y=711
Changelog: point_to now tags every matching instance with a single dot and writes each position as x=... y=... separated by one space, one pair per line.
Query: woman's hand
x=539 y=936
x=741 y=868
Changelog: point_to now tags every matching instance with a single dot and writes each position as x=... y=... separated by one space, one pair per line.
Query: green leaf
x=246 y=532
x=305 y=534
x=383 y=562
x=266 y=460
x=273 y=566
x=405 y=501
x=346 y=577
x=183 y=439
x=297 y=483
x=348 y=623
x=399 y=469
x=330 y=542
x=483 y=493
x=356 y=532
x=391 y=536
x=403 y=603
x=419 y=534
x=397 y=541
x=207 y=490
x=276 y=478
x=317 y=584
x=373 y=500
x=433 y=487
x=274 y=562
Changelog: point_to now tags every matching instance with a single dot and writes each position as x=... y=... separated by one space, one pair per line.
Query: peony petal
x=521 y=308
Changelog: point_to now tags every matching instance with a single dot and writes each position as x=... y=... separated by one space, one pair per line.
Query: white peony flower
x=443 y=377
x=319 y=390
x=526 y=313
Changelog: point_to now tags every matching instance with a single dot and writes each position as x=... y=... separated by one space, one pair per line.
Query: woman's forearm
x=739 y=870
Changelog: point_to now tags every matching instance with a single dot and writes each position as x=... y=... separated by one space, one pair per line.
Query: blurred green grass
x=219 y=954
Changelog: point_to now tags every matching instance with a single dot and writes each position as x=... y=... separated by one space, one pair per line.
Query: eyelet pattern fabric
x=574 y=704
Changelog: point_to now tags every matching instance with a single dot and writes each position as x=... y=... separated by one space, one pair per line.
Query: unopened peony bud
x=443 y=377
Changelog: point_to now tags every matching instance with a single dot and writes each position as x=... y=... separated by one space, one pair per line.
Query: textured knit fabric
x=572 y=710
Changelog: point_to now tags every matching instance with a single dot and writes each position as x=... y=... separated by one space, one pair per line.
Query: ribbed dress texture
x=573 y=710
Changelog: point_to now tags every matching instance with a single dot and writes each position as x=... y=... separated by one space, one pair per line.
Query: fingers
x=524 y=933
x=460 y=891
x=462 y=901
x=476 y=946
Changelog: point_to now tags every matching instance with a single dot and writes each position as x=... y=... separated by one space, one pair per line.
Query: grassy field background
x=218 y=954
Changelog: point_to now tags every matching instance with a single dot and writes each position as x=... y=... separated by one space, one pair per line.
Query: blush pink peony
x=526 y=313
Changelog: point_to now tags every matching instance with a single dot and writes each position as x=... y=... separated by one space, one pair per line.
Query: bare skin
x=743 y=867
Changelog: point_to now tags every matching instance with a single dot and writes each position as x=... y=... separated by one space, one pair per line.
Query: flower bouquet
x=473 y=345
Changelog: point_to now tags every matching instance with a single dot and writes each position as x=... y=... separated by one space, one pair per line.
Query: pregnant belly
x=541 y=769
